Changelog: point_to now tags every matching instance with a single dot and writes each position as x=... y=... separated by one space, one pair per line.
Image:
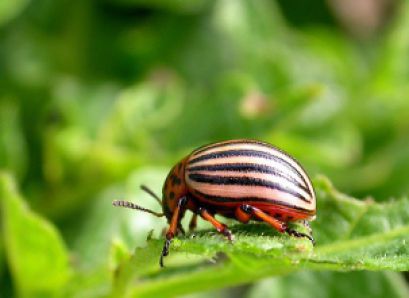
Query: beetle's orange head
x=174 y=188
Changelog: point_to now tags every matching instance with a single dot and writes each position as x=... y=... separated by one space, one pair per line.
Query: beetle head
x=174 y=188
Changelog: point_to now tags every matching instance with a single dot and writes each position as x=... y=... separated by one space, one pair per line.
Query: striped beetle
x=241 y=179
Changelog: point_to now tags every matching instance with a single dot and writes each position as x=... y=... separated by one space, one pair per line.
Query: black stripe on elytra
x=244 y=181
x=246 y=141
x=249 y=153
x=249 y=168
x=247 y=200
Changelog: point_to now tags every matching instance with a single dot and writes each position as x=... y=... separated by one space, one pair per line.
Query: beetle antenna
x=130 y=205
x=149 y=191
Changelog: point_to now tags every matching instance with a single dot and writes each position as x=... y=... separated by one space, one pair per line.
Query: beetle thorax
x=174 y=188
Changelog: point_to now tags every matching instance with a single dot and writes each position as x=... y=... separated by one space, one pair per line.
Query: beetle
x=240 y=179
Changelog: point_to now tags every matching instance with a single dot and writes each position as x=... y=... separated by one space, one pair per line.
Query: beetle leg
x=306 y=224
x=275 y=223
x=174 y=223
x=255 y=212
x=295 y=233
x=220 y=227
x=299 y=234
x=193 y=222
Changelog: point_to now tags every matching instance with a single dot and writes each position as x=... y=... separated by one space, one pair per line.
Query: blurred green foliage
x=97 y=97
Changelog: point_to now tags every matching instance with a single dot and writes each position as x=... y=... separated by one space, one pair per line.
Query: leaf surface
x=351 y=235
x=35 y=251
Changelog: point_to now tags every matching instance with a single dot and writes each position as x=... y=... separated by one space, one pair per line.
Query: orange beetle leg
x=173 y=227
x=275 y=223
x=221 y=228
x=255 y=212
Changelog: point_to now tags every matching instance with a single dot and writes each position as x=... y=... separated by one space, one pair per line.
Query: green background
x=97 y=97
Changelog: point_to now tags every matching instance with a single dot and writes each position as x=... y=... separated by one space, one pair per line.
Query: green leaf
x=36 y=254
x=351 y=235
x=332 y=284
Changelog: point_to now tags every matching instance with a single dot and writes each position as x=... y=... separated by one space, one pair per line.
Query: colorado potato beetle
x=240 y=179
